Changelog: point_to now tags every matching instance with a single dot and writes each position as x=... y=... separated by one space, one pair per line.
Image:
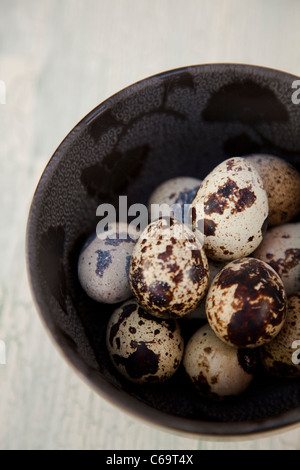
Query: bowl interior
x=180 y=123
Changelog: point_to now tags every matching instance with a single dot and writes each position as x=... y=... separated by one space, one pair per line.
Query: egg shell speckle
x=200 y=312
x=169 y=271
x=141 y=347
x=246 y=303
x=178 y=192
x=282 y=183
x=281 y=357
x=231 y=209
x=281 y=249
x=103 y=265
x=216 y=369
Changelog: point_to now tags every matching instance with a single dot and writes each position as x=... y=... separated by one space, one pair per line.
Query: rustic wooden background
x=58 y=60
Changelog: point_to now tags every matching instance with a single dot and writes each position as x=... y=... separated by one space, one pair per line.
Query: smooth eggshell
x=200 y=312
x=178 y=192
x=282 y=183
x=231 y=209
x=141 y=347
x=103 y=264
x=281 y=249
x=281 y=357
x=169 y=271
x=216 y=369
x=246 y=303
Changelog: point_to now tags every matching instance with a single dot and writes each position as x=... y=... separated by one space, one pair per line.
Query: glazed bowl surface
x=181 y=122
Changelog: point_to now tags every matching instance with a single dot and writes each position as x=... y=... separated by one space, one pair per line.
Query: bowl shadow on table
x=179 y=123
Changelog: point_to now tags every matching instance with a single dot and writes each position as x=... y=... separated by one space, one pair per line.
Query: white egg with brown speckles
x=169 y=272
x=103 y=264
x=281 y=357
x=281 y=249
x=282 y=183
x=176 y=194
x=246 y=303
x=216 y=369
x=200 y=312
x=231 y=210
x=141 y=347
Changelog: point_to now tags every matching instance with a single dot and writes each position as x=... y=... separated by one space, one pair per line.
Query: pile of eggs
x=233 y=263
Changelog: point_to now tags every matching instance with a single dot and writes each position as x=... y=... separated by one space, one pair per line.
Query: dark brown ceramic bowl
x=181 y=122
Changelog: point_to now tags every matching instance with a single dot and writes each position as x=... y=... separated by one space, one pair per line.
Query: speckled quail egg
x=216 y=369
x=231 y=209
x=281 y=357
x=246 y=303
x=169 y=272
x=200 y=312
x=177 y=194
x=281 y=249
x=141 y=347
x=282 y=183
x=103 y=265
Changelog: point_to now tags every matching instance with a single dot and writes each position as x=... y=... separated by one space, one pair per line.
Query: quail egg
x=231 y=209
x=281 y=357
x=281 y=249
x=246 y=303
x=169 y=272
x=176 y=194
x=103 y=265
x=216 y=369
x=282 y=183
x=200 y=312
x=141 y=347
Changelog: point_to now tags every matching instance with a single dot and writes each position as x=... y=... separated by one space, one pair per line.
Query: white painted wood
x=58 y=60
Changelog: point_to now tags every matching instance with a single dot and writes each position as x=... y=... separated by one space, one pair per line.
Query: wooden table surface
x=58 y=60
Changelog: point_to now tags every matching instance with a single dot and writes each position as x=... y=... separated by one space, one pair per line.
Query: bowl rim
x=186 y=427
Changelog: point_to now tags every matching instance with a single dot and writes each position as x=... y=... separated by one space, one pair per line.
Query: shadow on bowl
x=179 y=123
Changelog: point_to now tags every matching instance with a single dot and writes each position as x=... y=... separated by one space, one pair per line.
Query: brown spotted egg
x=216 y=369
x=282 y=183
x=103 y=264
x=177 y=194
x=281 y=249
x=141 y=347
x=169 y=271
x=281 y=357
x=246 y=303
x=231 y=210
x=200 y=312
